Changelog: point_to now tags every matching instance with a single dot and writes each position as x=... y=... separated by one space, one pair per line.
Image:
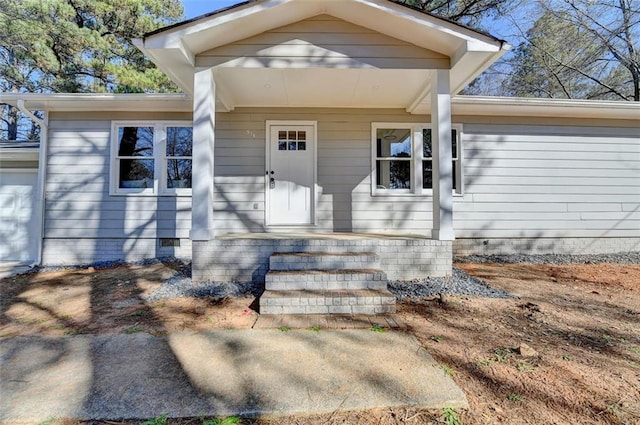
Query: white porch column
x=442 y=166
x=204 y=124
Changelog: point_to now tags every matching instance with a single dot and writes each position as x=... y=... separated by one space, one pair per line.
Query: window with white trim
x=393 y=158
x=402 y=159
x=151 y=158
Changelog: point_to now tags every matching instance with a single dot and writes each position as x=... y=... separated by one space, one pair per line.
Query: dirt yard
x=565 y=349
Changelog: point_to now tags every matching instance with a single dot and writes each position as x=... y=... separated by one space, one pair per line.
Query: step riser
x=333 y=309
x=323 y=261
x=362 y=302
x=324 y=264
x=310 y=276
x=326 y=285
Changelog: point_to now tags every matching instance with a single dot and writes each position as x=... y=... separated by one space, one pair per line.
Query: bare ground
x=581 y=322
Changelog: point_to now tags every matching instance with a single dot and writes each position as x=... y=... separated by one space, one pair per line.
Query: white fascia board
x=173 y=38
x=166 y=61
x=532 y=107
x=19 y=154
x=150 y=102
x=471 y=64
x=434 y=24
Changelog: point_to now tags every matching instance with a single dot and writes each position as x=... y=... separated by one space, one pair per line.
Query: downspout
x=42 y=168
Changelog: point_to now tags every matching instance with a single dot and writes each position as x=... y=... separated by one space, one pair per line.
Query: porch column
x=204 y=124
x=442 y=166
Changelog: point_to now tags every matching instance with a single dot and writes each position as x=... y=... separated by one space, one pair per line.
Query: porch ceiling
x=403 y=82
x=317 y=87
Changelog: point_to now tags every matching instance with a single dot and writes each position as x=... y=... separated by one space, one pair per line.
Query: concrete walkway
x=242 y=372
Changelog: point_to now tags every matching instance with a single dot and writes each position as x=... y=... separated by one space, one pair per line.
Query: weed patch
x=377 y=328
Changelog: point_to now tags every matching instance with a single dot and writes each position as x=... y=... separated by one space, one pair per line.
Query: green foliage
x=450 y=416
x=516 y=398
x=314 y=329
x=580 y=49
x=158 y=420
x=377 y=328
x=524 y=367
x=284 y=328
x=231 y=420
x=447 y=370
x=132 y=329
x=75 y=46
x=81 y=45
x=501 y=355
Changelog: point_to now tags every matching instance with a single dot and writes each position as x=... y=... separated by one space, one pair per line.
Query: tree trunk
x=12 y=122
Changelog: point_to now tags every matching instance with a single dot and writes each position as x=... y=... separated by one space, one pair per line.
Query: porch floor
x=322 y=236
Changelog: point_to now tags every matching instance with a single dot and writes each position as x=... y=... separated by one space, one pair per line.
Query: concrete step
x=276 y=280
x=323 y=261
x=362 y=301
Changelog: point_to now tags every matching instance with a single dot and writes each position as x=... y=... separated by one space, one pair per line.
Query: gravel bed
x=619 y=258
x=180 y=285
x=459 y=283
x=110 y=264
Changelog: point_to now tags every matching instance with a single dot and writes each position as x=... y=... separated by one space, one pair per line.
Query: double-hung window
x=427 y=159
x=393 y=161
x=402 y=159
x=151 y=158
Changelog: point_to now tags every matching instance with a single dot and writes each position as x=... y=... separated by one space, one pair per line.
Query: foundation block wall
x=247 y=260
x=574 y=246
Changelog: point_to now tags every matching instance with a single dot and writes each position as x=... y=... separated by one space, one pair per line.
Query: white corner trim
x=42 y=171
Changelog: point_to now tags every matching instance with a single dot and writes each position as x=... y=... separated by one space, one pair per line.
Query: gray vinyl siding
x=535 y=181
x=324 y=41
x=344 y=168
x=78 y=205
x=520 y=180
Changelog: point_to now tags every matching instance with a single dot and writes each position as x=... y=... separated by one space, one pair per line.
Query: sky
x=193 y=8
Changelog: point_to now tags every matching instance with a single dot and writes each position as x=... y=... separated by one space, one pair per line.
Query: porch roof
x=404 y=81
x=461 y=105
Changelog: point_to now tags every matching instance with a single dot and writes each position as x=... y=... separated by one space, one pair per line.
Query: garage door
x=18 y=235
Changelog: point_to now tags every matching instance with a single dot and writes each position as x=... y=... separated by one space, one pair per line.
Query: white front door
x=290 y=174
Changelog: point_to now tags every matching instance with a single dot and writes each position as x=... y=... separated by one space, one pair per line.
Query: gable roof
x=244 y=3
x=174 y=49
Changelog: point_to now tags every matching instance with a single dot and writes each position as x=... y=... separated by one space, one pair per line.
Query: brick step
x=325 y=279
x=323 y=261
x=363 y=301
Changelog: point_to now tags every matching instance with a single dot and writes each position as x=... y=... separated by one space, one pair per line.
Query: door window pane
x=292 y=146
x=282 y=146
x=302 y=146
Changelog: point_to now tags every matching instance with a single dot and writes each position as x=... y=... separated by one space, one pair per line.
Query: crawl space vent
x=165 y=242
